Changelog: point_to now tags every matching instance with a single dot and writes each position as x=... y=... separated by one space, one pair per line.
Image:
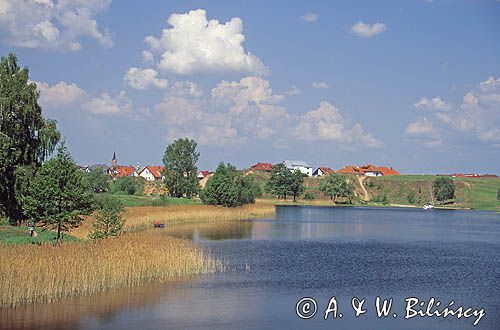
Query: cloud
x=320 y=85
x=366 y=30
x=147 y=57
x=477 y=116
x=293 y=91
x=309 y=17
x=106 y=104
x=144 y=78
x=327 y=124
x=52 y=25
x=60 y=94
x=422 y=127
x=194 y=44
x=435 y=103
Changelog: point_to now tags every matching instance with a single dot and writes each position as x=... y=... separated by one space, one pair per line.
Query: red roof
x=156 y=171
x=122 y=171
x=204 y=173
x=326 y=170
x=349 y=169
x=367 y=168
x=262 y=167
x=388 y=171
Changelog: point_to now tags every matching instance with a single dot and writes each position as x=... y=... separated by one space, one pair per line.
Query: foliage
x=280 y=181
x=228 y=187
x=108 y=219
x=498 y=194
x=180 y=168
x=335 y=186
x=20 y=235
x=309 y=196
x=97 y=180
x=58 y=196
x=26 y=137
x=296 y=184
x=128 y=185
x=443 y=189
x=411 y=197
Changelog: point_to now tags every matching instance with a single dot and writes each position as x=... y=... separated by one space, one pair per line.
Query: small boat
x=429 y=206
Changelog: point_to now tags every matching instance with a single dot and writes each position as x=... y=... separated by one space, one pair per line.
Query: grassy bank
x=134 y=200
x=19 y=235
x=32 y=273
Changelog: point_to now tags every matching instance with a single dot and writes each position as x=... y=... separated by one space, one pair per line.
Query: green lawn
x=133 y=200
x=19 y=235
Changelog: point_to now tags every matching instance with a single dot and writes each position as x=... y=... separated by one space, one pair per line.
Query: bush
x=128 y=185
x=309 y=196
x=108 y=219
x=443 y=189
x=412 y=197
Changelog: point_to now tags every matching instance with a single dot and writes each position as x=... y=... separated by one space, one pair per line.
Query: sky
x=414 y=85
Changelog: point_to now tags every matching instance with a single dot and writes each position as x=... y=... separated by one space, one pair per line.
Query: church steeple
x=114 y=160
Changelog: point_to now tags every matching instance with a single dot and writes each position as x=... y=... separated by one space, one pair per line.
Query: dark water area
x=316 y=252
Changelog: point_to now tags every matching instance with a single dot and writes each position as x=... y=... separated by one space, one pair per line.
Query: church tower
x=114 y=160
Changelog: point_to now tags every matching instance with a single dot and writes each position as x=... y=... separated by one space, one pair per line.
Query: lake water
x=317 y=252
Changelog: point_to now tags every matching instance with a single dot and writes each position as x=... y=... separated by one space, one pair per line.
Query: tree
x=296 y=184
x=180 y=168
x=26 y=137
x=97 y=180
x=443 y=189
x=335 y=186
x=279 y=183
x=228 y=187
x=58 y=196
x=108 y=219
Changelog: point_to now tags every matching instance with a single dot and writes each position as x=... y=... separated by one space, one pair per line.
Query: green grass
x=19 y=235
x=133 y=200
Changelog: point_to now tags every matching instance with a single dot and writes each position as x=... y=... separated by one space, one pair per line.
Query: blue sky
x=409 y=84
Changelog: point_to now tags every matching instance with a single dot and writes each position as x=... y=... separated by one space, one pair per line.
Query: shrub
x=128 y=185
x=108 y=218
x=412 y=197
x=443 y=189
x=309 y=196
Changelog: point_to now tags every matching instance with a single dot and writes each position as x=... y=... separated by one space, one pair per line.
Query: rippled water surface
x=318 y=252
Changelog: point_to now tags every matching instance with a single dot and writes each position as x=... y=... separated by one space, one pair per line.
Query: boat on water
x=430 y=205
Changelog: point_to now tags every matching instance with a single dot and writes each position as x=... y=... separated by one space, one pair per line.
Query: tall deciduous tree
x=108 y=219
x=296 y=184
x=58 y=196
x=335 y=186
x=280 y=181
x=26 y=137
x=180 y=168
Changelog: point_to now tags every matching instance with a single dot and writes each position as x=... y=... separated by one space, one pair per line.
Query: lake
x=315 y=252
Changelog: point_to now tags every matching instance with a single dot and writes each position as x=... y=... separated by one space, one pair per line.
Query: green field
x=133 y=200
x=19 y=235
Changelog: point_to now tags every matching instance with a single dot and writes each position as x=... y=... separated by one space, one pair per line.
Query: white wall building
x=300 y=165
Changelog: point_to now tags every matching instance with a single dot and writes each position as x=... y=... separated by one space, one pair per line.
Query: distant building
x=117 y=171
x=300 y=165
x=202 y=175
x=151 y=173
x=262 y=167
x=321 y=171
x=368 y=170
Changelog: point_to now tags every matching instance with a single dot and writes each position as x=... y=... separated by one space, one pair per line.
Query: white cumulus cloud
x=144 y=78
x=52 y=24
x=59 y=94
x=435 y=103
x=309 y=17
x=194 y=44
x=320 y=85
x=106 y=104
x=365 y=30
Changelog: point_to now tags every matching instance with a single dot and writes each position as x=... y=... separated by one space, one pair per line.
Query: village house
x=321 y=171
x=300 y=165
x=118 y=171
x=203 y=174
x=368 y=170
x=151 y=173
x=262 y=167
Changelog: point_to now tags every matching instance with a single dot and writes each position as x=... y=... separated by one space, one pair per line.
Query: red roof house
x=152 y=173
x=320 y=171
x=264 y=167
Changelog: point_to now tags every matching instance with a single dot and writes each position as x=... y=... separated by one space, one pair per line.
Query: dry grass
x=31 y=273
x=143 y=217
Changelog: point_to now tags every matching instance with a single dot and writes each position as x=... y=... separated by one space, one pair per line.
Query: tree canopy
x=335 y=186
x=180 y=160
x=58 y=196
x=443 y=189
x=26 y=137
x=97 y=180
x=229 y=187
x=280 y=181
x=108 y=219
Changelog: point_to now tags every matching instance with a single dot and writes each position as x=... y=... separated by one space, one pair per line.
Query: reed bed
x=47 y=273
x=142 y=217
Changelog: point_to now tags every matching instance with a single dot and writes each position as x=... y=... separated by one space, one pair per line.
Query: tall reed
x=31 y=273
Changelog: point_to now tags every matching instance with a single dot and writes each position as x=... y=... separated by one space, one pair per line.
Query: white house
x=151 y=173
x=300 y=165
